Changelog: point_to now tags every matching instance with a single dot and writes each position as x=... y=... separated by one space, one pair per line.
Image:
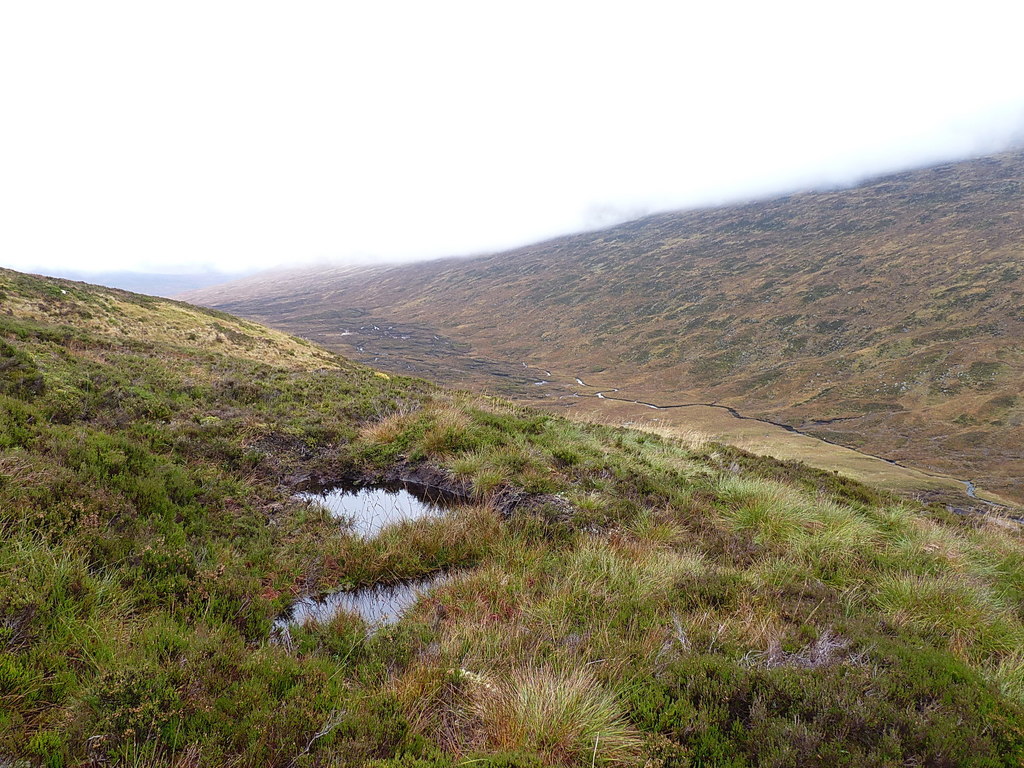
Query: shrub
x=19 y=375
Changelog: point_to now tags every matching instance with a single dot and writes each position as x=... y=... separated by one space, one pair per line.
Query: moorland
x=613 y=596
x=886 y=318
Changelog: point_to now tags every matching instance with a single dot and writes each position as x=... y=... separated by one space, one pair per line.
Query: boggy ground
x=617 y=598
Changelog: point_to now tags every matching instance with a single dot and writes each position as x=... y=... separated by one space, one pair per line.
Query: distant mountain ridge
x=164 y=284
x=889 y=316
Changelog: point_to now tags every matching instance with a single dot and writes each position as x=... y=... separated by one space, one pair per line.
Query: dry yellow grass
x=113 y=313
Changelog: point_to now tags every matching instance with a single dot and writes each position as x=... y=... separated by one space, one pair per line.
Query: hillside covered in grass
x=886 y=317
x=612 y=597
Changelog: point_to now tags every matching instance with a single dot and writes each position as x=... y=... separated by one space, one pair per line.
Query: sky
x=238 y=136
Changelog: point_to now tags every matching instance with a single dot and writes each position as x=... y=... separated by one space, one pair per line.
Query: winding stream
x=605 y=394
x=609 y=394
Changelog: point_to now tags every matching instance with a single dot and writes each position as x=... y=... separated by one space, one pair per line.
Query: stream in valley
x=608 y=394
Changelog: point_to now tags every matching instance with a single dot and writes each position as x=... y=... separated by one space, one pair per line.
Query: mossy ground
x=618 y=598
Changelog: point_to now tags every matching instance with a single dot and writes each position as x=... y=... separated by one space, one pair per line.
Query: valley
x=419 y=351
x=524 y=385
x=884 y=318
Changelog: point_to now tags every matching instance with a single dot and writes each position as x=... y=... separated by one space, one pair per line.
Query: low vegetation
x=614 y=597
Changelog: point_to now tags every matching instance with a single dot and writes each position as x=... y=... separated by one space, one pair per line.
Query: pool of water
x=369 y=510
x=378 y=605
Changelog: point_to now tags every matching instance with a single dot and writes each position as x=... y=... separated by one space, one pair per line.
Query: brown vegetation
x=892 y=309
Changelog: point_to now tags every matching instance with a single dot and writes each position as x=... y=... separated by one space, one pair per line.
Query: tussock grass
x=446 y=430
x=939 y=581
x=836 y=540
x=612 y=572
x=966 y=614
x=928 y=547
x=387 y=428
x=411 y=548
x=773 y=513
x=565 y=718
x=658 y=527
x=484 y=473
x=1008 y=674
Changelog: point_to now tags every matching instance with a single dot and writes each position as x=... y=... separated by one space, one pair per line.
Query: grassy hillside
x=616 y=598
x=886 y=317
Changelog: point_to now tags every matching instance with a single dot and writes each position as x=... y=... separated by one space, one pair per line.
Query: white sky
x=144 y=135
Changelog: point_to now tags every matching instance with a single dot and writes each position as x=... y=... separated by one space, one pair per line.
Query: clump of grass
x=774 y=513
x=656 y=528
x=564 y=718
x=483 y=475
x=447 y=430
x=1008 y=675
x=970 y=617
x=839 y=544
x=837 y=541
x=389 y=427
x=926 y=547
x=599 y=582
x=409 y=549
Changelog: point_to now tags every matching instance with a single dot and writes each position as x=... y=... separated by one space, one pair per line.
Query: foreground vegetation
x=616 y=598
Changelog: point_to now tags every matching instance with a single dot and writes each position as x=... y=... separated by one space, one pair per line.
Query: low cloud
x=334 y=132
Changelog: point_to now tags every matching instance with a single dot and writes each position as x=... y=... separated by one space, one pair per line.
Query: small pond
x=369 y=510
x=377 y=605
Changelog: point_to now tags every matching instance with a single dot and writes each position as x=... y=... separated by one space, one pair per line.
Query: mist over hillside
x=886 y=317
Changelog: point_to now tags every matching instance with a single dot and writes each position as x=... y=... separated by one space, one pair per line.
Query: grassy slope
x=623 y=598
x=894 y=306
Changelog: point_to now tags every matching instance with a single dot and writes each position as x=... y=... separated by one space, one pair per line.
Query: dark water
x=369 y=510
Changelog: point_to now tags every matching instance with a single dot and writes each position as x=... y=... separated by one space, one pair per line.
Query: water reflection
x=377 y=605
x=369 y=510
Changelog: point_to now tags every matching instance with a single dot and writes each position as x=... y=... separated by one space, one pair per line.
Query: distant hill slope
x=892 y=312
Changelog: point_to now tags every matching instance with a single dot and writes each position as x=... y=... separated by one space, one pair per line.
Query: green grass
x=614 y=597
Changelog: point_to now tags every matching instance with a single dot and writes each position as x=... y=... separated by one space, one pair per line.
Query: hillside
x=887 y=317
x=598 y=595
